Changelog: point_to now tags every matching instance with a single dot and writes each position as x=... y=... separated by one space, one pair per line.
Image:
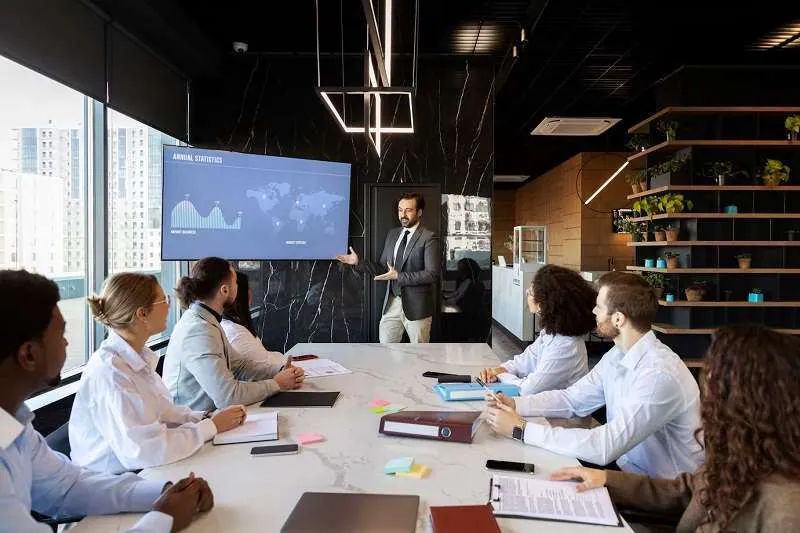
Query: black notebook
x=301 y=399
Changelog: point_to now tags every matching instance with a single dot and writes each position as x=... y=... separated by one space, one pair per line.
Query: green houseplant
x=656 y=280
x=775 y=173
x=673 y=203
x=745 y=260
x=638 y=142
x=646 y=206
x=636 y=179
x=792 y=125
x=634 y=228
x=669 y=128
x=673 y=260
x=720 y=171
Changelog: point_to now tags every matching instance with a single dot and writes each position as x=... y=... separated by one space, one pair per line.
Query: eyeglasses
x=166 y=300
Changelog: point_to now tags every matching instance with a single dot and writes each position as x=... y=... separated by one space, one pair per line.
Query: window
x=36 y=214
x=125 y=208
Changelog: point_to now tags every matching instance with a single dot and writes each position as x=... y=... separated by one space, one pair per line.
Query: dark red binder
x=464 y=519
x=456 y=426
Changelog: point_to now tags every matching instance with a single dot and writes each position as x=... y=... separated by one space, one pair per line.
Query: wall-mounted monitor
x=247 y=206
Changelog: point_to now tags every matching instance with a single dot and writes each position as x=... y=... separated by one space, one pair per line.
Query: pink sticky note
x=309 y=438
x=379 y=403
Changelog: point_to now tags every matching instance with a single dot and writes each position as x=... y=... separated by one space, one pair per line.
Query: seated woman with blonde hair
x=751 y=426
x=123 y=417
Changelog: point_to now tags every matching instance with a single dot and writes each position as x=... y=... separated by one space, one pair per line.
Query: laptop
x=333 y=512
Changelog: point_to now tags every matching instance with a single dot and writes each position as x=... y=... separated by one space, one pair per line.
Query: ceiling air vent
x=573 y=126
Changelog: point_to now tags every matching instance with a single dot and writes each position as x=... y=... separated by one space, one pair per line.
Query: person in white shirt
x=652 y=400
x=563 y=301
x=123 y=417
x=238 y=327
x=34 y=477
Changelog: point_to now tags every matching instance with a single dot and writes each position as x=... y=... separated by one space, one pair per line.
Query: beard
x=408 y=222
x=607 y=330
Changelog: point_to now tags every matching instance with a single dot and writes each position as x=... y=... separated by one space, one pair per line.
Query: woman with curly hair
x=563 y=302
x=751 y=426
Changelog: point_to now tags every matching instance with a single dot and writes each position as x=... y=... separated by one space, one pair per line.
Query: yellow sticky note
x=417 y=471
x=378 y=408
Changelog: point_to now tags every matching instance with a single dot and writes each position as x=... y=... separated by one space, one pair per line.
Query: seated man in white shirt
x=32 y=476
x=238 y=327
x=652 y=400
x=123 y=417
x=563 y=301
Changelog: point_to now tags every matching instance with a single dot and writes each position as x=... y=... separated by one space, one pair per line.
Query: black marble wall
x=269 y=106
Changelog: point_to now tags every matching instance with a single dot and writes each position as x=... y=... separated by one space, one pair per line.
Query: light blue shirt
x=653 y=411
x=32 y=476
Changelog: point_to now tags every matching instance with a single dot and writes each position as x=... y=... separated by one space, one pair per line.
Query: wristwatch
x=519 y=431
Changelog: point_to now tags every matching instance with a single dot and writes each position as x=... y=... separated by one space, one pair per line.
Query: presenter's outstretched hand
x=390 y=275
x=590 y=478
x=348 y=259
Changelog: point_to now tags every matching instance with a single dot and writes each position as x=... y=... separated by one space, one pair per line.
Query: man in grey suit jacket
x=411 y=254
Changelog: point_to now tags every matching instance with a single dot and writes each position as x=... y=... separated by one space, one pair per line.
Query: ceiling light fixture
x=787 y=36
x=609 y=180
x=377 y=78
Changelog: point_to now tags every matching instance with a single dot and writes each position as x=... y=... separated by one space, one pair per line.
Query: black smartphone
x=512 y=466
x=455 y=379
x=278 y=449
x=431 y=374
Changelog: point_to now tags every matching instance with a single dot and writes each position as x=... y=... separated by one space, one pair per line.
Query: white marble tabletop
x=258 y=493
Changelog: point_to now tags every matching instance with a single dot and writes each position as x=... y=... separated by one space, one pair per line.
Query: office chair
x=58 y=441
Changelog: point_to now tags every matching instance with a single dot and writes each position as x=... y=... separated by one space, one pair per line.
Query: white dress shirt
x=653 y=411
x=123 y=417
x=410 y=231
x=552 y=362
x=34 y=477
x=248 y=346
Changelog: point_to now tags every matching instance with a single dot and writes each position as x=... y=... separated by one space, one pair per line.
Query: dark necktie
x=398 y=260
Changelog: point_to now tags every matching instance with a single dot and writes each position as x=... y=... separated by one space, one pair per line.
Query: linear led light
x=609 y=180
x=324 y=94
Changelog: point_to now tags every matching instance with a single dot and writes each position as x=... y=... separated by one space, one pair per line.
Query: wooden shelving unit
x=720 y=216
x=715 y=188
x=678 y=111
x=686 y=303
x=716 y=270
x=710 y=239
x=670 y=330
x=743 y=244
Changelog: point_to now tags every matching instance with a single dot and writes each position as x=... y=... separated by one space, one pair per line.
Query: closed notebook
x=301 y=399
x=472 y=391
x=464 y=519
x=257 y=427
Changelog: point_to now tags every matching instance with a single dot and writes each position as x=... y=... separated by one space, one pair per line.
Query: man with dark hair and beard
x=33 y=477
x=652 y=400
x=411 y=261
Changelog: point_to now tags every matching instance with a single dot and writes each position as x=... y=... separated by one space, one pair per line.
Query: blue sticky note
x=401 y=464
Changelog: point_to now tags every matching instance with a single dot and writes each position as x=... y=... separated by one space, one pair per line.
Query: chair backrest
x=58 y=440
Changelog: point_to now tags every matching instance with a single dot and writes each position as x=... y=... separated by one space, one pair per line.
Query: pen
x=480 y=382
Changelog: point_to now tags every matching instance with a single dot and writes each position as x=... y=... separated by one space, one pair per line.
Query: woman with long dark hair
x=751 y=427
x=238 y=327
x=563 y=302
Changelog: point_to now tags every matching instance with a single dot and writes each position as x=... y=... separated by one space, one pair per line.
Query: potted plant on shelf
x=669 y=128
x=790 y=234
x=657 y=281
x=647 y=206
x=637 y=180
x=671 y=232
x=696 y=291
x=756 y=296
x=775 y=173
x=745 y=259
x=638 y=142
x=792 y=125
x=720 y=171
x=673 y=260
x=673 y=203
x=659 y=233
x=634 y=228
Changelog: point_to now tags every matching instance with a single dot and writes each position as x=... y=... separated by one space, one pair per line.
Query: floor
x=504 y=344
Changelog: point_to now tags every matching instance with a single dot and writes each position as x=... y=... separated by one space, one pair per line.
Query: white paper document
x=528 y=497
x=317 y=368
x=257 y=427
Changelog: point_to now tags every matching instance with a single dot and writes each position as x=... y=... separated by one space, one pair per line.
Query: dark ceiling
x=581 y=57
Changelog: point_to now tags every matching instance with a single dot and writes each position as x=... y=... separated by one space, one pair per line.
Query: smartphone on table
x=511 y=466
x=276 y=449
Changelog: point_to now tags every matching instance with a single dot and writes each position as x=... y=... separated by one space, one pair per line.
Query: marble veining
x=257 y=494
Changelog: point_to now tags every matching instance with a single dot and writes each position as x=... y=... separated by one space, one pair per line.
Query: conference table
x=257 y=494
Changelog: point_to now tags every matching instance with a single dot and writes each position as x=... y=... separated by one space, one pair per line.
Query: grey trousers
x=394 y=323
